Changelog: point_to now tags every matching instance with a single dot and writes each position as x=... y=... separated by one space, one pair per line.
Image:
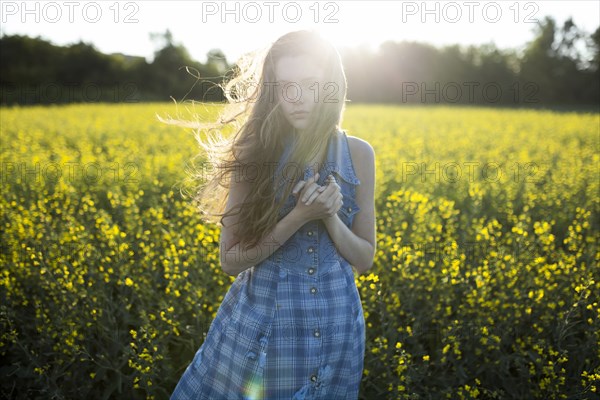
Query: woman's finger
x=314 y=195
x=302 y=183
x=298 y=187
x=326 y=192
x=308 y=191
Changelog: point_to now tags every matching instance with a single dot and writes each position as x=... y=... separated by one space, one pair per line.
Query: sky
x=237 y=27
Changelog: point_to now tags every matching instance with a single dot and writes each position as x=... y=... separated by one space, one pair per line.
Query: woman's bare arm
x=358 y=245
x=233 y=258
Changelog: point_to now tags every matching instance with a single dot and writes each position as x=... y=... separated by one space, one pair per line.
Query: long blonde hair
x=261 y=133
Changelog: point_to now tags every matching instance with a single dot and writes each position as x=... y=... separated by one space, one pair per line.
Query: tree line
x=550 y=70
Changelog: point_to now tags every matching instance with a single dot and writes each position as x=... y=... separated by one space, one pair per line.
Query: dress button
x=282 y=274
x=309 y=233
x=313 y=378
x=310 y=250
x=349 y=209
x=317 y=333
x=311 y=271
x=313 y=290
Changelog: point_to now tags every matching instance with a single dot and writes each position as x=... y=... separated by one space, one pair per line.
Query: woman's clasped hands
x=314 y=201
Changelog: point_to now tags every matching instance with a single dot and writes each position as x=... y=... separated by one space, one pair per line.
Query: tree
x=595 y=47
x=216 y=61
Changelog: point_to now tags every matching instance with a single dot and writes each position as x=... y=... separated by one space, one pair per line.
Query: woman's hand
x=315 y=201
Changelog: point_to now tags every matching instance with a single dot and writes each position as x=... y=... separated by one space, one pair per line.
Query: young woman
x=299 y=216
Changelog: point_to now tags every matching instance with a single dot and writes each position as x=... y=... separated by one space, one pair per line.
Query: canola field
x=485 y=283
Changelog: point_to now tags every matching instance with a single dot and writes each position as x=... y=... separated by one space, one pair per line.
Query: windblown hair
x=260 y=133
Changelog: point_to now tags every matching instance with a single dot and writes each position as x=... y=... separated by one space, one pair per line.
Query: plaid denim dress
x=292 y=326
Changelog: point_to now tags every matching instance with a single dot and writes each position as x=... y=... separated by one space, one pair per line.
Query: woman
x=291 y=325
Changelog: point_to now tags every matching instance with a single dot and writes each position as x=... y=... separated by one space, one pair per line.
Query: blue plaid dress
x=292 y=326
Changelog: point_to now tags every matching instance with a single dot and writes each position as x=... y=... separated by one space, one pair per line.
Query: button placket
x=314 y=241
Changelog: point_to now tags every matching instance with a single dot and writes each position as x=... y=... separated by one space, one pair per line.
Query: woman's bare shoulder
x=363 y=159
x=360 y=150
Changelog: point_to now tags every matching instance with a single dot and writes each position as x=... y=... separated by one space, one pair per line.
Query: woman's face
x=299 y=87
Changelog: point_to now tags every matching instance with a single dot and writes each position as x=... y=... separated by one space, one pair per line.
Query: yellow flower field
x=485 y=284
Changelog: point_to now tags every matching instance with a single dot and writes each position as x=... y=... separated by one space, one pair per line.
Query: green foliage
x=40 y=72
x=551 y=70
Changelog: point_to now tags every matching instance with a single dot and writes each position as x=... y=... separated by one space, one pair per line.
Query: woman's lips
x=299 y=114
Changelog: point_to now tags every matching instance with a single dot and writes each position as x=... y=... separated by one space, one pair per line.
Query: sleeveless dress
x=291 y=326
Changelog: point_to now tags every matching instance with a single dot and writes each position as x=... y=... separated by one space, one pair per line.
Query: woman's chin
x=299 y=125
